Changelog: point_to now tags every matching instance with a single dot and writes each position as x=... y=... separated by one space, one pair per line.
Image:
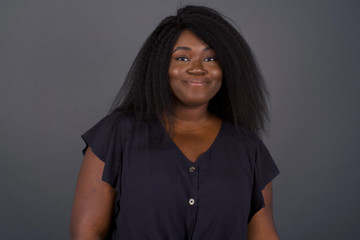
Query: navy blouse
x=163 y=195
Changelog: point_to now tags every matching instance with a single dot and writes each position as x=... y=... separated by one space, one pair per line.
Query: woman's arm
x=261 y=226
x=93 y=203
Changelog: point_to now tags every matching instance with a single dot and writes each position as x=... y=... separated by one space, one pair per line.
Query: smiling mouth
x=197 y=83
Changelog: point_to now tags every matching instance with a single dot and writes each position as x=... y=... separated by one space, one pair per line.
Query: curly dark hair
x=146 y=92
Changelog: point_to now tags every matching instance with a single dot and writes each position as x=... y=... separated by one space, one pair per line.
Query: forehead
x=188 y=39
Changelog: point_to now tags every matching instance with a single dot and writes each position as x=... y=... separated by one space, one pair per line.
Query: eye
x=209 y=59
x=182 y=59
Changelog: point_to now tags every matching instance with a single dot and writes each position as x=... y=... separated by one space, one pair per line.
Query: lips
x=197 y=83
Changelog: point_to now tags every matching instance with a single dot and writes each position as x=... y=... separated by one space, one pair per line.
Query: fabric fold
x=104 y=139
x=265 y=170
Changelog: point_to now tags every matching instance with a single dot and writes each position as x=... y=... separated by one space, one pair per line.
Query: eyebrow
x=189 y=49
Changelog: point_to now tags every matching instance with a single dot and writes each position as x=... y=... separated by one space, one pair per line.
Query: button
x=191 y=201
x=192 y=169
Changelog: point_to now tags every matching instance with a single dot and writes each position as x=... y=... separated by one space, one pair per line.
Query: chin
x=195 y=103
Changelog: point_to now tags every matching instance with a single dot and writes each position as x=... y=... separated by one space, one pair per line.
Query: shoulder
x=107 y=127
x=240 y=134
x=127 y=126
x=116 y=120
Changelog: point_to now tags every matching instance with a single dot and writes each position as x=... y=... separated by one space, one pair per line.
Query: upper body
x=208 y=179
x=161 y=194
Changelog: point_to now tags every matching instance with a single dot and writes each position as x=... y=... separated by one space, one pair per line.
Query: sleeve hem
x=269 y=178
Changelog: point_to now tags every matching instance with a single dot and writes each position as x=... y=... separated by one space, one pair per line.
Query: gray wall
x=61 y=63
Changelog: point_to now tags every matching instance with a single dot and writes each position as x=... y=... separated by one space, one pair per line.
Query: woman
x=179 y=156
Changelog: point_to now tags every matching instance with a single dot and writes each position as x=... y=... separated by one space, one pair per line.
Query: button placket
x=193 y=198
x=194 y=181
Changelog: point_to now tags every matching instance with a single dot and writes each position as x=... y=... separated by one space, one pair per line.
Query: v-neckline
x=213 y=144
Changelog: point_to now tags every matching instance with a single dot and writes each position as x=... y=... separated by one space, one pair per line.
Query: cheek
x=174 y=72
x=174 y=76
x=217 y=75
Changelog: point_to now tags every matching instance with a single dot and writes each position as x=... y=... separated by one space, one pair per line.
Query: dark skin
x=195 y=77
x=93 y=203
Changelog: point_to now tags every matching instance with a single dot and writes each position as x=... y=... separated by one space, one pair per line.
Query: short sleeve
x=265 y=170
x=105 y=142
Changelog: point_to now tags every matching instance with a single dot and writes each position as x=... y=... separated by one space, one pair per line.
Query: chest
x=193 y=144
x=161 y=189
x=221 y=170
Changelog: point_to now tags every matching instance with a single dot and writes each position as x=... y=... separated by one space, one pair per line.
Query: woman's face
x=194 y=72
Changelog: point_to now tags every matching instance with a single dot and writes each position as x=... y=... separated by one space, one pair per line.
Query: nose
x=196 y=68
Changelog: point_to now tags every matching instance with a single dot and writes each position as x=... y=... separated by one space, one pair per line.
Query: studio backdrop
x=62 y=62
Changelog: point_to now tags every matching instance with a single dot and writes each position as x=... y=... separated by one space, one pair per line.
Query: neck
x=186 y=114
